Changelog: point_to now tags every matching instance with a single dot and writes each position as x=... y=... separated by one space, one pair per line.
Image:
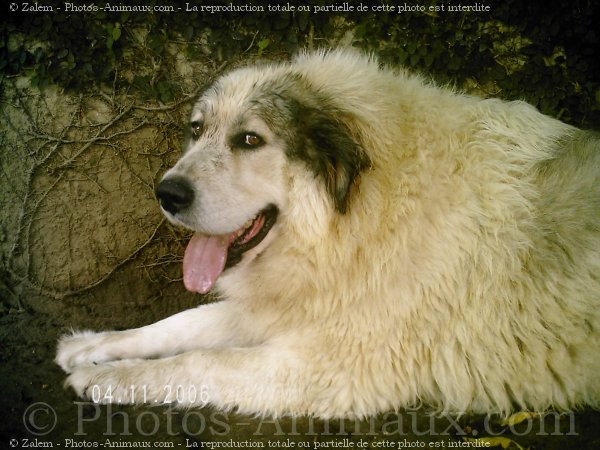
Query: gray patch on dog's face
x=315 y=132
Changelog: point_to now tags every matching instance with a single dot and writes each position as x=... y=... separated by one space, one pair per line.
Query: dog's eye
x=252 y=140
x=248 y=140
x=196 y=127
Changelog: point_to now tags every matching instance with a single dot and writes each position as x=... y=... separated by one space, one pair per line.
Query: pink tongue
x=205 y=256
x=203 y=262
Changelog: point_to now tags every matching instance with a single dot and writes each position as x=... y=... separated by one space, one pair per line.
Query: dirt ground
x=83 y=245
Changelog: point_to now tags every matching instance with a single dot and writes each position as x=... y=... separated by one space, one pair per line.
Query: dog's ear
x=339 y=156
x=332 y=152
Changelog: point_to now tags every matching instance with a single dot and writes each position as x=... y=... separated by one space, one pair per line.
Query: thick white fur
x=464 y=275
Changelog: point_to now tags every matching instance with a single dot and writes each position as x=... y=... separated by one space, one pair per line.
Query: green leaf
x=116 y=32
x=262 y=45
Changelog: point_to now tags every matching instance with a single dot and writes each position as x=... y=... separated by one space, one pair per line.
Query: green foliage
x=263 y=44
x=548 y=56
x=78 y=50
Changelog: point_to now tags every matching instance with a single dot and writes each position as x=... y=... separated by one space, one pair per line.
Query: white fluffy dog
x=376 y=242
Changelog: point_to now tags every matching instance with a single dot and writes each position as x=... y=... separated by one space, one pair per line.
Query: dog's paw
x=81 y=349
x=105 y=383
x=133 y=381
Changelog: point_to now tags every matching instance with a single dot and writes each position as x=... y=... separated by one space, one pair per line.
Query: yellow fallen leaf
x=494 y=442
x=517 y=418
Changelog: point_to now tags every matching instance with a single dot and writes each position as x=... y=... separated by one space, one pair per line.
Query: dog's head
x=233 y=181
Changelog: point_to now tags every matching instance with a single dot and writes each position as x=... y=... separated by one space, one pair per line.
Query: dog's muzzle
x=206 y=255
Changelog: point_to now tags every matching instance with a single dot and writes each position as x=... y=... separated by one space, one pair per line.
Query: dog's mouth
x=207 y=256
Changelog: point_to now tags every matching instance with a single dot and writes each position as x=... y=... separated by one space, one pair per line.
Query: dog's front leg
x=203 y=327
x=266 y=379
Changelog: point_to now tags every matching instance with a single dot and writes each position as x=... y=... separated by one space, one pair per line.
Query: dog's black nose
x=175 y=194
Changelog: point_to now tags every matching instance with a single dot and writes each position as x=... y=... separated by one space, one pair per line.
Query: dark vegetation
x=546 y=53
